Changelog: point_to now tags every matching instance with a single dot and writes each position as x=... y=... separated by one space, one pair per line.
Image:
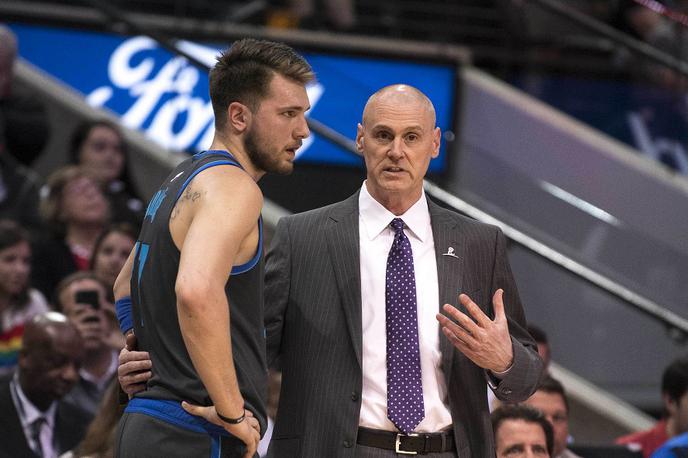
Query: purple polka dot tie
x=404 y=385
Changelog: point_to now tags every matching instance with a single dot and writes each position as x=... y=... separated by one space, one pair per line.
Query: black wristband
x=232 y=421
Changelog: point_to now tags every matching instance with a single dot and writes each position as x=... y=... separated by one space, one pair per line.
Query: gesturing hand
x=248 y=431
x=484 y=341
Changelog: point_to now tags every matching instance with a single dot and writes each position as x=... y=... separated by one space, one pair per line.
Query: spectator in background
x=35 y=422
x=550 y=399
x=675 y=421
x=18 y=302
x=521 y=431
x=82 y=298
x=23 y=121
x=99 y=148
x=339 y=15
x=111 y=252
x=660 y=32
x=76 y=211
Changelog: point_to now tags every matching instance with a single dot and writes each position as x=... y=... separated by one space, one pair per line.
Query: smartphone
x=88 y=296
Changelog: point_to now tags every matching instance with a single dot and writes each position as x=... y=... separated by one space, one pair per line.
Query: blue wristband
x=124 y=316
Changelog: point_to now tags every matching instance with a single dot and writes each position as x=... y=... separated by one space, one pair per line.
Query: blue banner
x=167 y=98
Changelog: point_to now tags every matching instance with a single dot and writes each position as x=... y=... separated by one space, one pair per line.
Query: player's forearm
x=204 y=321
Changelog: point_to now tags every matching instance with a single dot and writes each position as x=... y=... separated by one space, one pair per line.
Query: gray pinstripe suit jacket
x=313 y=321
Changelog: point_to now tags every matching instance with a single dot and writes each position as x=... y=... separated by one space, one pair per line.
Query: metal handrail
x=646 y=50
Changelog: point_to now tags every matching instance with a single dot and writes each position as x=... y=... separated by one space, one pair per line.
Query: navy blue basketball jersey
x=155 y=305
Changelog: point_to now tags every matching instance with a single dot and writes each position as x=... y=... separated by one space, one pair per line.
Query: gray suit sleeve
x=523 y=377
x=277 y=284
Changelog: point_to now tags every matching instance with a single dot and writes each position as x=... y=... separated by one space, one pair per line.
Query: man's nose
x=302 y=131
x=396 y=149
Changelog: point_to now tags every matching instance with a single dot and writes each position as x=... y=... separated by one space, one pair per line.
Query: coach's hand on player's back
x=134 y=369
x=248 y=431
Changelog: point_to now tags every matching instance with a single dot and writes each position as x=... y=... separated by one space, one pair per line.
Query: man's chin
x=285 y=168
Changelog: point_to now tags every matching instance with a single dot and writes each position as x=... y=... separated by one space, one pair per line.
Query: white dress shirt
x=28 y=414
x=376 y=239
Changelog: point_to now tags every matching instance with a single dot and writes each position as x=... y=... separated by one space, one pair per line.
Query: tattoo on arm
x=189 y=195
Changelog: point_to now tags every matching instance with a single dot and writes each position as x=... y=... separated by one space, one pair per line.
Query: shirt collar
x=29 y=413
x=376 y=218
x=100 y=382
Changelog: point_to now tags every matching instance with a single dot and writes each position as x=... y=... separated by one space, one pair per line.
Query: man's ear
x=436 y=139
x=238 y=116
x=670 y=405
x=359 y=138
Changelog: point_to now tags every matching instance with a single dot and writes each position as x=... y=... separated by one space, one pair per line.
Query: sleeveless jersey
x=156 y=323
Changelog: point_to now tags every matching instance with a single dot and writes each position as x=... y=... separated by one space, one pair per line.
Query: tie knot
x=398 y=225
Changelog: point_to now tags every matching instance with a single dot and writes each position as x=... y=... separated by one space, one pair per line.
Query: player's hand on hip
x=484 y=341
x=248 y=431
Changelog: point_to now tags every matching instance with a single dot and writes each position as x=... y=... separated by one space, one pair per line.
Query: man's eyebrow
x=295 y=107
x=406 y=129
x=515 y=448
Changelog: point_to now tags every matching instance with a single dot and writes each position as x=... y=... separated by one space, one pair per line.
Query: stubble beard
x=264 y=157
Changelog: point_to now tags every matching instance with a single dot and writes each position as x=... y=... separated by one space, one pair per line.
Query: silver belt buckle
x=397 y=443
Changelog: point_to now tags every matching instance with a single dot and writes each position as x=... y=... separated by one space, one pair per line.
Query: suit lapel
x=343 y=244
x=448 y=239
x=11 y=426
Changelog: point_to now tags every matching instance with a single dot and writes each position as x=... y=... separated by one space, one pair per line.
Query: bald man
x=374 y=363
x=34 y=421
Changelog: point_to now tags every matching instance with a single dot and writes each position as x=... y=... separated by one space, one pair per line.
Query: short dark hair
x=80 y=134
x=114 y=228
x=553 y=386
x=68 y=280
x=524 y=413
x=244 y=71
x=11 y=234
x=675 y=379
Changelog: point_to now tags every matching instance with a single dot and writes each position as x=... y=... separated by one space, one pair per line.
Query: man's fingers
x=126 y=356
x=498 y=304
x=136 y=378
x=456 y=341
x=135 y=366
x=252 y=445
x=453 y=330
x=254 y=423
x=464 y=320
x=131 y=341
x=475 y=311
x=193 y=409
x=133 y=389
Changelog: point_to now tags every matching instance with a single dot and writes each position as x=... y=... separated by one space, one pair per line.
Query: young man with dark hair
x=675 y=422
x=198 y=261
x=521 y=432
x=550 y=399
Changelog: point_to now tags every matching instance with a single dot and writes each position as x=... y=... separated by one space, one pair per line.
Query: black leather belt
x=412 y=444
